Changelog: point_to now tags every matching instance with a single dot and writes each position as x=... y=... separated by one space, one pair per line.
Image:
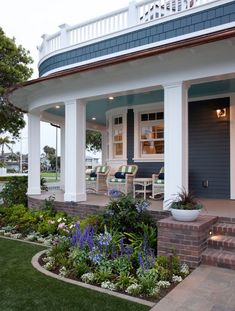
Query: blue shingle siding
x=209 y=149
x=184 y=25
x=145 y=169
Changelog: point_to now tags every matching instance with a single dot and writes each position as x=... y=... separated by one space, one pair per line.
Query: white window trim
x=148 y=108
x=110 y=115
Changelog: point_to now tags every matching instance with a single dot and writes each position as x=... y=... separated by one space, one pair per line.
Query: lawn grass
x=49 y=174
x=22 y=288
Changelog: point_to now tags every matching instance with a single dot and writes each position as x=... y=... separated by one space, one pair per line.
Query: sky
x=27 y=20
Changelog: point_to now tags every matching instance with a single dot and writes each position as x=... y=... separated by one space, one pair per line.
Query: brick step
x=224 y=228
x=219 y=258
x=224 y=242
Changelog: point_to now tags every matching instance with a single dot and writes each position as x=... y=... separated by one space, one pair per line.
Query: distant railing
x=133 y=15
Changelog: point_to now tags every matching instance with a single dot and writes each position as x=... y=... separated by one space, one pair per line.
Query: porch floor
x=214 y=207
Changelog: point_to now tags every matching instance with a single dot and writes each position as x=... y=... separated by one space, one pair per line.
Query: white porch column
x=75 y=135
x=104 y=143
x=62 y=156
x=34 y=154
x=176 y=139
x=232 y=147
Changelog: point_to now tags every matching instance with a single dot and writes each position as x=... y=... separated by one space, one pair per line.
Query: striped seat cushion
x=101 y=169
x=88 y=178
x=159 y=181
x=117 y=180
x=127 y=169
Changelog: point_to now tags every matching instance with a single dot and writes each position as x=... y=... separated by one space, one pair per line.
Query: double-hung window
x=117 y=136
x=149 y=135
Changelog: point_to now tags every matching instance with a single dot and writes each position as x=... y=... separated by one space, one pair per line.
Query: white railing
x=98 y=27
x=133 y=15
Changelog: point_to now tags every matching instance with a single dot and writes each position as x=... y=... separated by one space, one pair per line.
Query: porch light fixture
x=111 y=98
x=221 y=113
x=57 y=107
x=93 y=118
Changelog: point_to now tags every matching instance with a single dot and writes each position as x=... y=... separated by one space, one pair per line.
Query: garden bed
x=116 y=251
x=38 y=263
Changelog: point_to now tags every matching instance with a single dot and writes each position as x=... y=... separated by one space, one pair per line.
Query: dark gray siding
x=190 y=23
x=145 y=169
x=209 y=149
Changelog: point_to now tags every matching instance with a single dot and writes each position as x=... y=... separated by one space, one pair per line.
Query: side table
x=144 y=183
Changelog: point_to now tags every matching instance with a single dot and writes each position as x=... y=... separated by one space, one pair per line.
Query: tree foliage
x=93 y=140
x=5 y=142
x=14 y=62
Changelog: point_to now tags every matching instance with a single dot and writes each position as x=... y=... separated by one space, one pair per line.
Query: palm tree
x=5 y=142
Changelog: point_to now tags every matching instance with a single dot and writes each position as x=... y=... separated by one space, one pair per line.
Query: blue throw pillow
x=120 y=175
x=161 y=176
x=93 y=174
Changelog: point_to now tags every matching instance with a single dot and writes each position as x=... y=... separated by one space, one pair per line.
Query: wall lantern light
x=221 y=113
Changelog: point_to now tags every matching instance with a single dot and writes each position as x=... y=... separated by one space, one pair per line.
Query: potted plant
x=185 y=207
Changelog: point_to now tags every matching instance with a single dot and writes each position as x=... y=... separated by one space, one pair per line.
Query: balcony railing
x=133 y=15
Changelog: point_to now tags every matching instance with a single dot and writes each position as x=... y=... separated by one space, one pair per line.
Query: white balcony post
x=64 y=38
x=75 y=135
x=132 y=14
x=104 y=143
x=62 y=156
x=34 y=154
x=176 y=139
x=43 y=49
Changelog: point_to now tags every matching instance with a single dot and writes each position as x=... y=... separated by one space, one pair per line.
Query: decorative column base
x=33 y=191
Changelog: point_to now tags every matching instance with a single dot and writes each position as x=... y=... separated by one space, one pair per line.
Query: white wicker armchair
x=124 y=185
x=97 y=180
x=158 y=185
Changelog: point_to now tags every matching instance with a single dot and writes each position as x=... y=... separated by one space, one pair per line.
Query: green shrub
x=14 y=191
x=126 y=215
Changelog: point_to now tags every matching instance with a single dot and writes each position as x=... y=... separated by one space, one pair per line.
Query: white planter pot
x=185 y=215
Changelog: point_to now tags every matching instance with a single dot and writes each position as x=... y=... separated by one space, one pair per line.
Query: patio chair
x=158 y=185
x=122 y=180
x=96 y=179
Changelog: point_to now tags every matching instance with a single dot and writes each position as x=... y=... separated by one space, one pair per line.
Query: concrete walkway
x=206 y=289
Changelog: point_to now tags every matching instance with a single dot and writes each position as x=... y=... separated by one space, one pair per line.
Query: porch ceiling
x=97 y=108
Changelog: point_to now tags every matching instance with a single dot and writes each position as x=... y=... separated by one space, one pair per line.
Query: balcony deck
x=137 y=14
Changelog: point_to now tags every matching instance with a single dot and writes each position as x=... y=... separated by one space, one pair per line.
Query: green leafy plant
x=185 y=200
x=125 y=279
x=14 y=191
x=125 y=215
x=122 y=264
x=103 y=271
x=148 y=280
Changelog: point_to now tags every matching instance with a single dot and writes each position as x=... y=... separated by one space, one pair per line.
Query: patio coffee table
x=144 y=183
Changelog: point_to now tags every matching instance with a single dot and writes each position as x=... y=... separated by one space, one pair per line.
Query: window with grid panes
x=151 y=134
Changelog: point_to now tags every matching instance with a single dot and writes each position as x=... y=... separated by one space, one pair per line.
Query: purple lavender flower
x=113 y=193
x=95 y=255
x=84 y=238
x=141 y=206
x=114 y=252
x=104 y=239
x=141 y=261
x=122 y=246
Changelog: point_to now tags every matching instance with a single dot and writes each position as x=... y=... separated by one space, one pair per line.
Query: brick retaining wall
x=186 y=239
x=82 y=210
